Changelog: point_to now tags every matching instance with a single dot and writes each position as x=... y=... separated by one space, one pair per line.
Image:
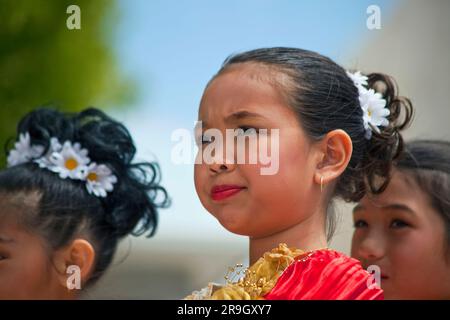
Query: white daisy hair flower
x=68 y=160
x=99 y=180
x=23 y=151
x=358 y=79
x=375 y=111
x=44 y=161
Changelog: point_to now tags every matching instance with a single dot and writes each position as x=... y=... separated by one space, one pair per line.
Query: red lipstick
x=224 y=191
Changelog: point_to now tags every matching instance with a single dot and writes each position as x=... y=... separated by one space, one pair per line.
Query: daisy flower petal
x=70 y=162
x=374 y=108
x=23 y=151
x=100 y=180
x=358 y=79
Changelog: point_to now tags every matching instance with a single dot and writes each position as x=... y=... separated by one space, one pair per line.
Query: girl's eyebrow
x=393 y=206
x=243 y=115
x=399 y=206
x=235 y=116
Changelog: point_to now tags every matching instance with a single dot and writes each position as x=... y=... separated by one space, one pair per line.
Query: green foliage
x=42 y=61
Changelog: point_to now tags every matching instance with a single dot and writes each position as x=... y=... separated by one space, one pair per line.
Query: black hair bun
x=386 y=147
x=132 y=206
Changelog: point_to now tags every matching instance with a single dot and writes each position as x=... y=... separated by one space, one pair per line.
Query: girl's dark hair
x=428 y=162
x=65 y=209
x=325 y=99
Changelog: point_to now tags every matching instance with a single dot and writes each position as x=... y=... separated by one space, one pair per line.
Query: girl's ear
x=336 y=151
x=75 y=260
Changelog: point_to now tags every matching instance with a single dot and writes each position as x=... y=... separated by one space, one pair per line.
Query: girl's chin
x=242 y=229
x=236 y=226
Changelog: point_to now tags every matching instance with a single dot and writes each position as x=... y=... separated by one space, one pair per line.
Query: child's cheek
x=27 y=276
x=292 y=160
x=401 y=254
x=200 y=181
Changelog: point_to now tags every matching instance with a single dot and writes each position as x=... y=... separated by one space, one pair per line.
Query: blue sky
x=172 y=48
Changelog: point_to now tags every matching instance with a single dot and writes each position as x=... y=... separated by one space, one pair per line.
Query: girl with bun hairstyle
x=405 y=231
x=339 y=133
x=70 y=193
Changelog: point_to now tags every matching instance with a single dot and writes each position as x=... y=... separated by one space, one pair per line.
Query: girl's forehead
x=402 y=191
x=233 y=92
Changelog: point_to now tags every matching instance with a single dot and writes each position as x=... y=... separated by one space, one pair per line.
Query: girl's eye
x=398 y=224
x=242 y=131
x=360 y=224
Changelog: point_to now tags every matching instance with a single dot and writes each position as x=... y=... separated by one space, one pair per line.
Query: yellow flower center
x=92 y=176
x=369 y=112
x=71 y=164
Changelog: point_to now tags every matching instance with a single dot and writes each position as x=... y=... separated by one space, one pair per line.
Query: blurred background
x=146 y=62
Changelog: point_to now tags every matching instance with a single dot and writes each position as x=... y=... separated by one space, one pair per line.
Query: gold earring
x=321 y=183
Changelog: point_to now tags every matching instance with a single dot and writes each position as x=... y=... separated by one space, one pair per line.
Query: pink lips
x=224 y=191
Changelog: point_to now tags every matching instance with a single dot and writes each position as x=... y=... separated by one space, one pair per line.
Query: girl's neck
x=307 y=235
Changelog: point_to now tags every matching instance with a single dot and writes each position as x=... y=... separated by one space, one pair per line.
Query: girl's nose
x=223 y=160
x=371 y=248
x=219 y=167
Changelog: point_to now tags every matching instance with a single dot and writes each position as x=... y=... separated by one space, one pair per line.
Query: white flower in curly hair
x=70 y=162
x=99 y=180
x=374 y=109
x=44 y=161
x=23 y=151
x=358 y=79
